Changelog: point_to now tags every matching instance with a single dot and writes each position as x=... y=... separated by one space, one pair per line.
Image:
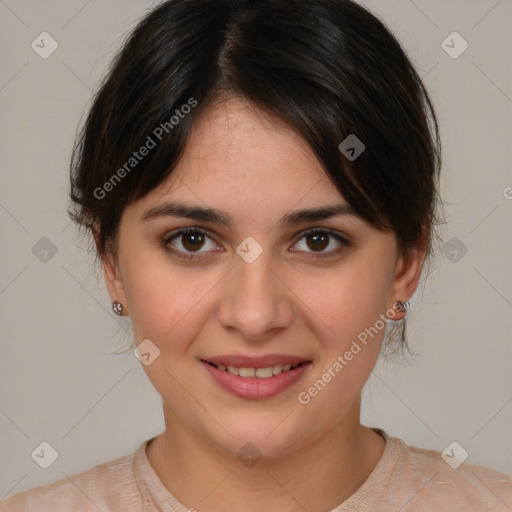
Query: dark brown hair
x=328 y=68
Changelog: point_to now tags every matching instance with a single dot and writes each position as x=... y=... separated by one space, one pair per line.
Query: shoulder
x=428 y=481
x=91 y=490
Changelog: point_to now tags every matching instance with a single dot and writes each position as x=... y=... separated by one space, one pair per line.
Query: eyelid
x=340 y=237
x=166 y=239
x=334 y=233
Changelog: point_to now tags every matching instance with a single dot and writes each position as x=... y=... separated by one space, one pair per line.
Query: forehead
x=239 y=153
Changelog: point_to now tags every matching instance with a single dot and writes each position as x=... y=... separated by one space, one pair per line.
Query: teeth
x=247 y=372
x=264 y=373
x=260 y=373
x=277 y=369
x=233 y=370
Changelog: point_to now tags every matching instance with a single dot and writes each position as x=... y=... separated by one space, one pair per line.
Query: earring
x=401 y=305
x=117 y=307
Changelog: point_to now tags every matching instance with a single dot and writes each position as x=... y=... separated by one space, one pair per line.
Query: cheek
x=352 y=307
x=352 y=302
x=168 y=307
x=163 y=303
x=346 y=300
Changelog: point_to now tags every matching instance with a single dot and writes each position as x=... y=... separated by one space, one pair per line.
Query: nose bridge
x=257 y=300
x=255 y=279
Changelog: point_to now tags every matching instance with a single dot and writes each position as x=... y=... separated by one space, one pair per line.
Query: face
x=250 y=287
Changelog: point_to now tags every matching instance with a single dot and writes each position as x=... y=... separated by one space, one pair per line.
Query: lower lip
x=253 y=387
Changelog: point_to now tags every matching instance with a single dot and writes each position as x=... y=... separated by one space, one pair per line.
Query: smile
x=256 y=378
x=260 y=373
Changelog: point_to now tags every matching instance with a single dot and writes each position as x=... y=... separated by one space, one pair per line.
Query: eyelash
x=193 y=256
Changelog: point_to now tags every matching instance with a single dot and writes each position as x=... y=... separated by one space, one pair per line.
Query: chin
x=268 y=438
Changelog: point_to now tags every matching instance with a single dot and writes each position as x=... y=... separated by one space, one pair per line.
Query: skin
x=256 y=169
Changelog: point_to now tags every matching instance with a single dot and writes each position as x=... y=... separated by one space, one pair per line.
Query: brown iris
x=192 y=241
x=320 y=240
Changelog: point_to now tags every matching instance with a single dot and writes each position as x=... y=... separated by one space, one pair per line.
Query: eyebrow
x=174 y=209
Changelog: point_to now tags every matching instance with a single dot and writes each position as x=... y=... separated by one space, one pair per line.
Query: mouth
x=265 y=372
x=256 y=378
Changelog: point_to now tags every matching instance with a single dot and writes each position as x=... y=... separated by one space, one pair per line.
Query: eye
x=319 y=240
x=190 y=241
x=187 y=243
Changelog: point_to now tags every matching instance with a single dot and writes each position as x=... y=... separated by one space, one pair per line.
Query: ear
x=407 y=274
x=112 y=275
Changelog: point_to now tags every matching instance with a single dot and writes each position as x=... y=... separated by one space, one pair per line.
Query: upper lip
x=242 y=361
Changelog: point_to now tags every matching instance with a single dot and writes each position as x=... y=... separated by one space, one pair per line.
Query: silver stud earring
x=117 y=307
x=401 y=305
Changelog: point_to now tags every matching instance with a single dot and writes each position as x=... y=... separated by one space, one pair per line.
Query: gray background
x=61 y=381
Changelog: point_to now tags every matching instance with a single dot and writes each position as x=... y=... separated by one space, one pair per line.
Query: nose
x=256 y=301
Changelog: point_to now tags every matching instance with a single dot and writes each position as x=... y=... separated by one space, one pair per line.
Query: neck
x=318 y=476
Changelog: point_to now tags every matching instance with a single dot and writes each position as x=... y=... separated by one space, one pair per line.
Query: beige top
x=406 y=478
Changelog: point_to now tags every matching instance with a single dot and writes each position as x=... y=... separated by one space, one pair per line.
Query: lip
x=255 y=388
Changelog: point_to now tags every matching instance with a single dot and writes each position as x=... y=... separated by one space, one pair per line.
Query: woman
x=260 y=179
